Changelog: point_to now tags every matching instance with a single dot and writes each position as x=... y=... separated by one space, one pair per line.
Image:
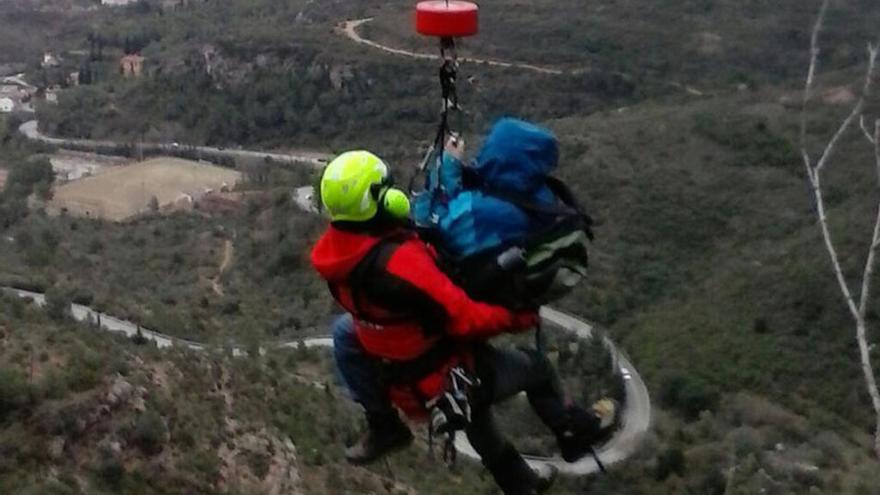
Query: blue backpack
x=507 y=231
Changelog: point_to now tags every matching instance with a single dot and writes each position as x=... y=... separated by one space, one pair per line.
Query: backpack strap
x=409 y=372
x=565 y=194
x=569 y=209
x=376 y=259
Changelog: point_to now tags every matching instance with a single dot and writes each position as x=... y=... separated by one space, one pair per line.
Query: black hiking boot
x=386 y=434
x=514 y=476
x=586 y=429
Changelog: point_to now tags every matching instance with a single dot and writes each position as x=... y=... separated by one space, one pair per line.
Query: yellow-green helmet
x=354 y=183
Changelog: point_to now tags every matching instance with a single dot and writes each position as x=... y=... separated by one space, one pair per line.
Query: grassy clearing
x=124 y=192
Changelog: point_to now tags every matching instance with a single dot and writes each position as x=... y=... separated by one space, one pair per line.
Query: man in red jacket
x=409 y=326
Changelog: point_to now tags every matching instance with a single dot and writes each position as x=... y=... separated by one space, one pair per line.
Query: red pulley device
x=447 y=19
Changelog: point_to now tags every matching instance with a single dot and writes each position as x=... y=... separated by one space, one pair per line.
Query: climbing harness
x=451 y=412
x=448 y=74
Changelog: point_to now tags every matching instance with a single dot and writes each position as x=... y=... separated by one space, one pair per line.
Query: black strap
x=407 y=372
x=377 y=258
x=396 y=372
x=556 y=210
x=598 y=461
x=570 y=207
x=565 y=194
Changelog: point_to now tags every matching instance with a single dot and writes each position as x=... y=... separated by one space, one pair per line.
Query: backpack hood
x=517 y=156
x=338 y=252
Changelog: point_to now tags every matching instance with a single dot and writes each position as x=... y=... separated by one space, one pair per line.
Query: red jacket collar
x=338 y=252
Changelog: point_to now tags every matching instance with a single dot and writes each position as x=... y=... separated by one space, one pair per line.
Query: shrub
x=149 y=433
x=750 y=137
x=668 y=462
x=695 y=397
x=81 y=376
x=58 y=303
x=111 y=470
x=15 y=392
x=688 y=395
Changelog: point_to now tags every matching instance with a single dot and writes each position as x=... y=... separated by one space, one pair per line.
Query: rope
x=598 y=461
x=448 y=75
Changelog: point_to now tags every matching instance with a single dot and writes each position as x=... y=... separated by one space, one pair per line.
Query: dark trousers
x=503 y=374
x=361 y=373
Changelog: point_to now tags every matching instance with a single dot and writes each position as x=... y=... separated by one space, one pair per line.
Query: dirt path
x=350 y=30
x=228 y=253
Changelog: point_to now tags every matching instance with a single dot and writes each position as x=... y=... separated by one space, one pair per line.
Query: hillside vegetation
x=73 y=421
x=708 y=261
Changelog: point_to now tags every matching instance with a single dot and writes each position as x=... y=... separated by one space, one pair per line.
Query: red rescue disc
x=452 y=19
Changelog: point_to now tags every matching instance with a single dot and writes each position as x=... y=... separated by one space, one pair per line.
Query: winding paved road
x=31 y=131
x=636 y=418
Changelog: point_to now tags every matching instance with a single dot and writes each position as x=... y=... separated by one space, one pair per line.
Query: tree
x=858 y=309
x=28 y=176
x=57 y=303
x=138 y=338
x=688 y=395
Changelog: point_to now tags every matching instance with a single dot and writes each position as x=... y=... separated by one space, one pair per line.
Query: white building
x=116 y=3
x=7 y=105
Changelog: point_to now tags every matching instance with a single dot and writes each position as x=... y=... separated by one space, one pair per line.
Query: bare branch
x=811 y=77
x=867 y=274
x=869 y=267
x=857 y=109
x=814 y=173
x=877 y=146
x=865 y=130
x=808 y=165
x=829 y=245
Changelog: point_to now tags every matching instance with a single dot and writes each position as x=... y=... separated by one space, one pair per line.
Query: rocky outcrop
x=121 y=392
x=260 y=463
